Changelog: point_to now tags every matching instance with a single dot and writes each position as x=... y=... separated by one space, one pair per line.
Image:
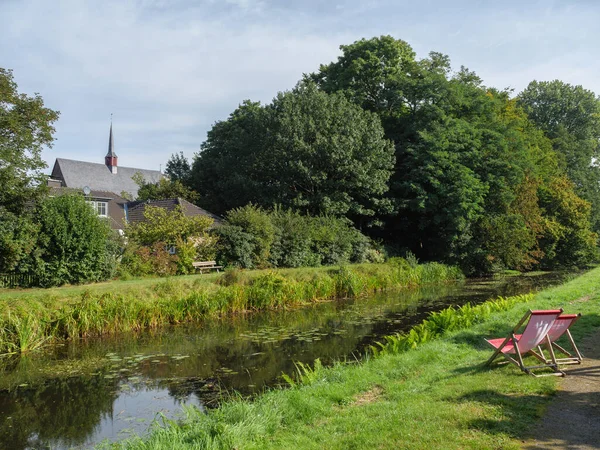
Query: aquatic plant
x=441 y=322
x=28 y=322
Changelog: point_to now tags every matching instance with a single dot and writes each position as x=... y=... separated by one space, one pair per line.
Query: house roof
x=136 y=210
x=77 y=174
x=116 y=203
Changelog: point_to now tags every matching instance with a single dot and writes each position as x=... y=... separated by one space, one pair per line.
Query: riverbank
x=438 y=395
x=30 y=318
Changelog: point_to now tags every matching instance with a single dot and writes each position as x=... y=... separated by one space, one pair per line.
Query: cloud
x=169 y=69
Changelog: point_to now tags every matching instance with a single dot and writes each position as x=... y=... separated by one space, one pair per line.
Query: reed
x=28 y=322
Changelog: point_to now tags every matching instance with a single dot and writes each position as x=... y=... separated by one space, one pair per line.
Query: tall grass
x=28 y=323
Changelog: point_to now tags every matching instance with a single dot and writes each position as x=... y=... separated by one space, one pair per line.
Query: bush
x=257 y=223
x=289 y=239
x=149 y=241
x=235 y=247
x=73 y=242
x=139 y=261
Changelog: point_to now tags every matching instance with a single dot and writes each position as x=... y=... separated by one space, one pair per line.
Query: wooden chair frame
x=520 y=353
x=571 y=358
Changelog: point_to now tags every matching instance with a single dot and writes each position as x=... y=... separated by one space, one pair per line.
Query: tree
x=308 y=150
x=464 y=153
x=164 y=188
x=25 y=129
x=570 y=117
x=178 y=168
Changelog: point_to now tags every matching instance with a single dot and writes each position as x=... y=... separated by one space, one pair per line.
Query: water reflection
x=81 y=393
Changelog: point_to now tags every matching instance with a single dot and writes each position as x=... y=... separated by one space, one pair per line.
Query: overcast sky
x=168 y=70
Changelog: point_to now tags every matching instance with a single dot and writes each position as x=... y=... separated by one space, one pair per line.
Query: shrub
x=257 y=223
x=73 y=242
x=148 y=241
x=235 y=247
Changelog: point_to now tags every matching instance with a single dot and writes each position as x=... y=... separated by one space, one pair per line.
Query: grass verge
x=435 y=395
x=31 y=318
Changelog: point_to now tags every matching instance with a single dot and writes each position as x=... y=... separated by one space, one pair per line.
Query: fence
x=12 y=280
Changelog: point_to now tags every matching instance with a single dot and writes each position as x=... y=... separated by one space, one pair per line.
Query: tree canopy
x=307 y=150
x=162 y=189
x=465 y=154
x=26 y=127
x=570 y=117
x=178 y=168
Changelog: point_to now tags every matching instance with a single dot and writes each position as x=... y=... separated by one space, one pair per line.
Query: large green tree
x=464 y=155
x=307 y=150
x=570 y=117
x=25 y=129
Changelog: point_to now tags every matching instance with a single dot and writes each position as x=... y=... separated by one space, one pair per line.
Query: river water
x=77 y=394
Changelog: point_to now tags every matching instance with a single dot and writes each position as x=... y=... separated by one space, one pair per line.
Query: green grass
x=31 y=318
x=437 y=395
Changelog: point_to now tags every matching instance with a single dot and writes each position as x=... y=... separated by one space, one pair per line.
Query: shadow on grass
x=573 y=423
x=571 y=418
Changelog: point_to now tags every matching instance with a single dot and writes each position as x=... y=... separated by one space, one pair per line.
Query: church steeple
x=111 y=157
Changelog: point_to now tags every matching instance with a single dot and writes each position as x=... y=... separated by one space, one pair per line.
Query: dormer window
x=101 y=208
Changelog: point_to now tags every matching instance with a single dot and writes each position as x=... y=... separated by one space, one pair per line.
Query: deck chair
x=559 y=328
x=534 y=334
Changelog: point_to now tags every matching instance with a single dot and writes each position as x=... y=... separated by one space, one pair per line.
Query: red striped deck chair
x=534 y=334
x=559 y=328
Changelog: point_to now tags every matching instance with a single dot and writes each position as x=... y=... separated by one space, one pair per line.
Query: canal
x=78 y=394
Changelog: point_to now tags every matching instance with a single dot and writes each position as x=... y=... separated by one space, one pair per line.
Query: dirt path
x=572 y=420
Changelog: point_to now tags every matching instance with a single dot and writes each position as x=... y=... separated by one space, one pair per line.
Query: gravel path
x=572 y=420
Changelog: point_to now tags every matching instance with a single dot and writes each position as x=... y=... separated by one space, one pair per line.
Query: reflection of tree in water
x=65 y=411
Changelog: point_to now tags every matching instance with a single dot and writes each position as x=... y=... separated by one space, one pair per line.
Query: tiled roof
x=115 y=203
x=77 y=174
x=135 y=211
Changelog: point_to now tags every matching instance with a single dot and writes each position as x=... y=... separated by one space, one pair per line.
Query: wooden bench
x=206 y=265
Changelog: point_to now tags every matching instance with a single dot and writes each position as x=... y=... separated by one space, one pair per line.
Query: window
x=100 y=208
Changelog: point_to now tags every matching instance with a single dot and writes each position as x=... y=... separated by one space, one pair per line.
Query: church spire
x=111 y=157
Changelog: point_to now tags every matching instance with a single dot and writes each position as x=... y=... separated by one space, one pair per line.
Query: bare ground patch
x=372 y=395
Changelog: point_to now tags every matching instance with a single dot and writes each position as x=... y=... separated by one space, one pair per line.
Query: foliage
x=257 y=223
x=178 y=168
x=307 y=150
x=162 y=225
x=163 y=189
x=149 y=242
x=570 y=117
x=74 y=245
x=25 y=129
x=255 y=238
x=29 y=321
x=569 y=240
x=235 y=247
x=18 y=237
x=465 y=155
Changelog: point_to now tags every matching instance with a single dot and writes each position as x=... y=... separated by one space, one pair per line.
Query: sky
x=168 y=70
